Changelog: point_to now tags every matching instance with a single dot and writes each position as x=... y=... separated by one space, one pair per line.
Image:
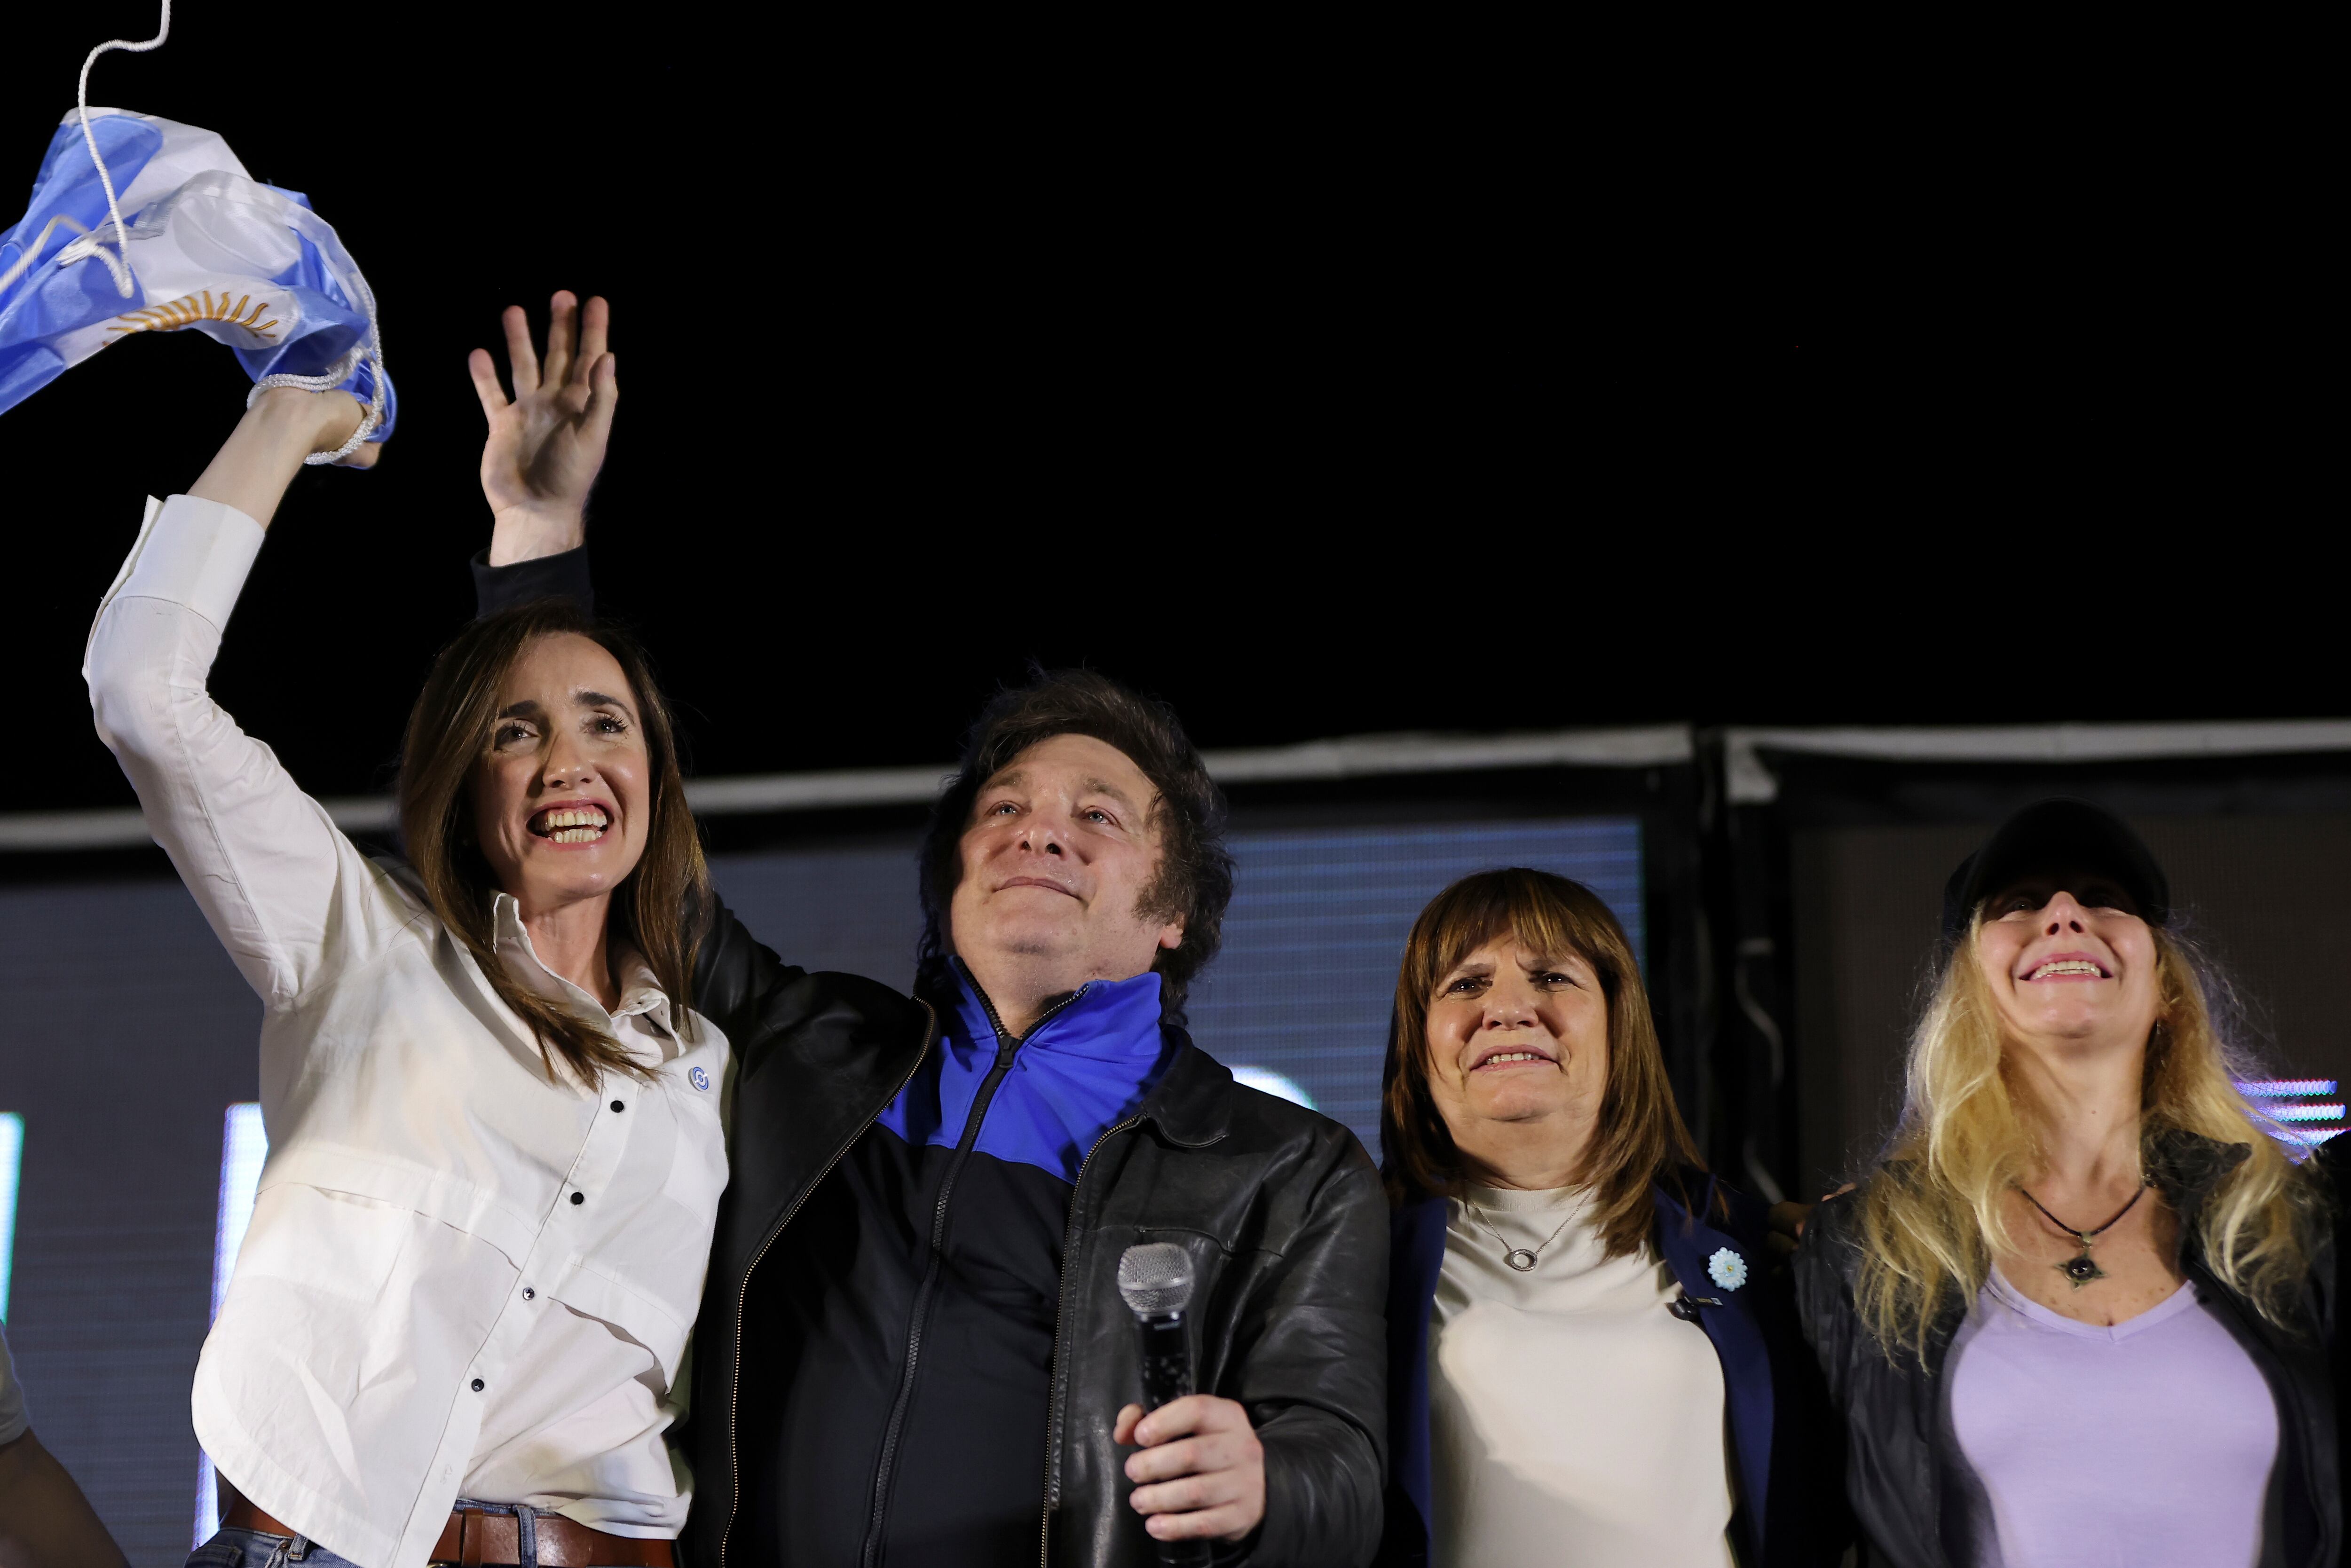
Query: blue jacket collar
x=1108 y=1021
x=1115 y=1020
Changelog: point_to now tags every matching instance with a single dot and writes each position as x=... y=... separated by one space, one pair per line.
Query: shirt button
x=618 y=1106
x=477 y=1385
x=528 y=1294
x=579 y=1197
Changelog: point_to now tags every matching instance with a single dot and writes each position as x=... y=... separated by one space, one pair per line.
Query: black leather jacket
x=1280 y=1209
x=1913 y=1499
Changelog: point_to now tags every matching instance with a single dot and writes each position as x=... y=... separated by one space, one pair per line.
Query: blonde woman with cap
x=2081 y=1312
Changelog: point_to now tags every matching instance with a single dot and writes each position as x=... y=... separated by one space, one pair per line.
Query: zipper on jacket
x=1061 y=1315
x=1007 y=1047
x=735 y=1403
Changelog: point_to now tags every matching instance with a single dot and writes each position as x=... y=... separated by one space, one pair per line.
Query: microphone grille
x=1155 y=1278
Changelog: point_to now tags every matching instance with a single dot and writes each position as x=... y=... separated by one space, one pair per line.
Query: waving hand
x=546 y=445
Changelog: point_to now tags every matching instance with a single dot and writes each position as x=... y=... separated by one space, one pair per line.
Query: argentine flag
x=208 y=248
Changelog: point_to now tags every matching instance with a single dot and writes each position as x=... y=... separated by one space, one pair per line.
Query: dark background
x=1349 y=378
x=1341 y=377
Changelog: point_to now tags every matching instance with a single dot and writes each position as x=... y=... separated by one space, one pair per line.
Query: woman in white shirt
x=496 y=1155
x=1590 y=1363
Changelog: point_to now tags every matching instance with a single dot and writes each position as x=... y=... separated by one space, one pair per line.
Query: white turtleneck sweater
x=1573 y=1420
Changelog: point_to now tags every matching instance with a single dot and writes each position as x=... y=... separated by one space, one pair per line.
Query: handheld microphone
x=1154 y=1281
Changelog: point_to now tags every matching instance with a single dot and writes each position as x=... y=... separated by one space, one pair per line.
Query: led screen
x=1298 y=998
x=130 y=1097
x=12 y=1153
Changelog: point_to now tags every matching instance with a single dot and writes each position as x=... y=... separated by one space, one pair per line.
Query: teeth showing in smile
x=573 y=825
x=2067 y=967
x=1500 y=1057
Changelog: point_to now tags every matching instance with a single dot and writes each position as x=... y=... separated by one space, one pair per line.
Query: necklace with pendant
x=2079 y=1269
x=1522 y=1259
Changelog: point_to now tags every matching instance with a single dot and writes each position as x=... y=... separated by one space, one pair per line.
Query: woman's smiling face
x=2068 y=959
x=560 y=798
x=1517 y=1036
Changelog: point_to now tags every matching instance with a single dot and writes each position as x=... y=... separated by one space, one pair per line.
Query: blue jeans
x=255 y=1548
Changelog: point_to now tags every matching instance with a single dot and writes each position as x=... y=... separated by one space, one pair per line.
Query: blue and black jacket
x=911 y=1347
x=1789 y=1507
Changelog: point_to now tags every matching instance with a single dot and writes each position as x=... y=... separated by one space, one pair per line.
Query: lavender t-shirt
x=2148 y=1444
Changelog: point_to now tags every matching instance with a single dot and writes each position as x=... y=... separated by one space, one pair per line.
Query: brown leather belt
x=475 y=1539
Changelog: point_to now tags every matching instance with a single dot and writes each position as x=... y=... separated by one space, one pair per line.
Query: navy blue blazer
x=1770 y=1386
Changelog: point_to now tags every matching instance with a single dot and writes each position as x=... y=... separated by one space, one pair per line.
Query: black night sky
x=1320 y=384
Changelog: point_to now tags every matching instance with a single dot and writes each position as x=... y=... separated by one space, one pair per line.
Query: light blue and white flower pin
x=1727 y=1269
x=701 y=1080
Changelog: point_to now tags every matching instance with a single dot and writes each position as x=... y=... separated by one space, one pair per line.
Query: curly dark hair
x=1194 y=879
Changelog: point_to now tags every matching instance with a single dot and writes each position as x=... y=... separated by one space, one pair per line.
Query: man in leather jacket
x=912 y=1349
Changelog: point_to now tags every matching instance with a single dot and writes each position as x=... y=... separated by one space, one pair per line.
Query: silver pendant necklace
x=2081 y=1269
x=1522 y=1259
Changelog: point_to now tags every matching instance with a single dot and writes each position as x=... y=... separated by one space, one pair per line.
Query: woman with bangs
x=1591 y=1362
x=2081 y=1312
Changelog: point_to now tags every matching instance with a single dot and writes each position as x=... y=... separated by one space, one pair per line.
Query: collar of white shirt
x=641 y=997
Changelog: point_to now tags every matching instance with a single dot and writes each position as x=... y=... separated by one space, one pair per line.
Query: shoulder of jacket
x=812 y=997
x=1831 y=1241
x=1288 y=1122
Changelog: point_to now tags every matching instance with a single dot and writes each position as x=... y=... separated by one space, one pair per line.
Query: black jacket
x=1279 y=1209
x=1915 y=1500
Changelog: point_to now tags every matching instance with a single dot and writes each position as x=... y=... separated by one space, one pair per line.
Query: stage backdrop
x=134 y=1045
x=2261 y=895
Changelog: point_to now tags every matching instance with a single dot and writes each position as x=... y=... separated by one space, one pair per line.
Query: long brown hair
x=660 y=905
x=1640 y=1141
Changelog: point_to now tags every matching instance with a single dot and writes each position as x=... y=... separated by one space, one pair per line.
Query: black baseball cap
x=2058 y=835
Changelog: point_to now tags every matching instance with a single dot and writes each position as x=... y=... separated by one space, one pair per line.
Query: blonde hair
x=1932 y=1220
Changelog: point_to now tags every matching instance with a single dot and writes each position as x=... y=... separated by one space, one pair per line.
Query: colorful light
x=12 y=1158
x=2274 y=1100
x=244 y=1148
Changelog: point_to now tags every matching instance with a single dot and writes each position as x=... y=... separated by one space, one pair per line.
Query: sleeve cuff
x=197 y=553
x=561 y=576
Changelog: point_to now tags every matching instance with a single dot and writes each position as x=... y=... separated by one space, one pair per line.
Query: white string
x=24 y=262
x=117 y=263
x=113 y=259
x=334 y=375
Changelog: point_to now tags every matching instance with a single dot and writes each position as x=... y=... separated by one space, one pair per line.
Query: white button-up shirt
x=464 y=1275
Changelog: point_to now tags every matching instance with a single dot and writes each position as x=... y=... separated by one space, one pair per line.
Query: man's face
x=1061 y=848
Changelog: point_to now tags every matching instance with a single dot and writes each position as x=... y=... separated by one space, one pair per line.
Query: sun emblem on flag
x=191 y=308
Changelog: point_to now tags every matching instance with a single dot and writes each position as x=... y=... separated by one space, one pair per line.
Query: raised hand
x=546 y=445
x=267 y=449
